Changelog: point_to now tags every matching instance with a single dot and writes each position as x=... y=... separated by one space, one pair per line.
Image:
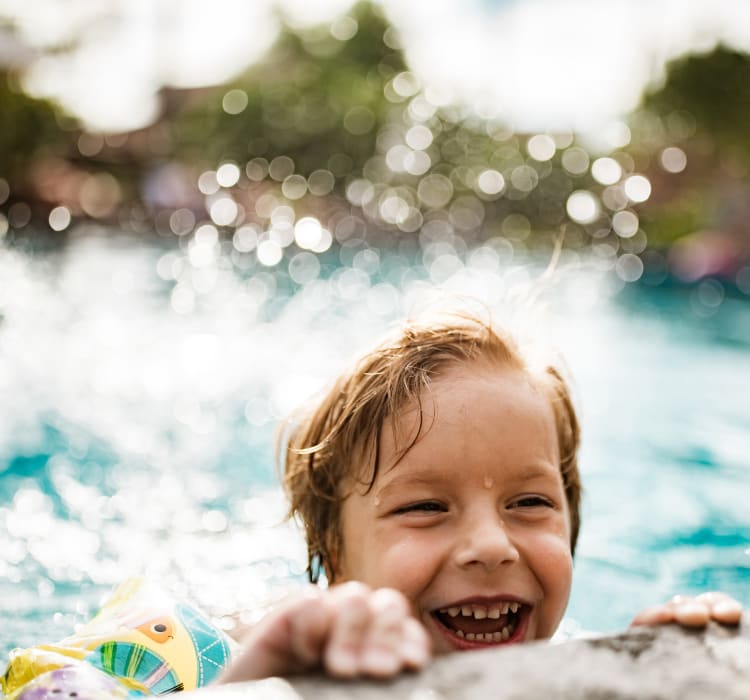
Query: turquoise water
x=142 y=385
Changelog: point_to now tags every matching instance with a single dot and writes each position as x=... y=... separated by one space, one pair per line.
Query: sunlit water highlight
x=138 y=425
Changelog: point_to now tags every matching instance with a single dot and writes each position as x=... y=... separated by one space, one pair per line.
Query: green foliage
x=27 y=125
x=668 y=222
x=714 y=88
x=302 y=100
x=703 y=106
x=330 y=103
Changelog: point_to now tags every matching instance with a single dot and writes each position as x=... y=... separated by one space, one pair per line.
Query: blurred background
x=206 y=209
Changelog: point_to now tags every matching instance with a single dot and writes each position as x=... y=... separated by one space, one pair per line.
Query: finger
x=692 y=613
x=382 y=648
x=411 y=643
x=397 y=641
x=415 y=647
x=711 y=597
x=724 y=608
x=390 y=604
x=350 y=622
x=309 y=624
x=728 y=612
x=655 y=615
x=289 y=639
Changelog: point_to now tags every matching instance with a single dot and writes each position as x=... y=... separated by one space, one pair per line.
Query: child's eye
x=422 y=507
x=533 y=502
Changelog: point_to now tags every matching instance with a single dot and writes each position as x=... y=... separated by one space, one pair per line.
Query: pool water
x=142 y=387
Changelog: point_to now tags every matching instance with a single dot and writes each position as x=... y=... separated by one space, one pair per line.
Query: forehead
x=472 y=411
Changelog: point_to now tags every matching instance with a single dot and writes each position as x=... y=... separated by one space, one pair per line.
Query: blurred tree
x=313 y=96
x=713 y=89
x=339 y=97
x=27 y=126
x=702 y=107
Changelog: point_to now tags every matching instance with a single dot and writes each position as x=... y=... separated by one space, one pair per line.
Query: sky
x=537 y=64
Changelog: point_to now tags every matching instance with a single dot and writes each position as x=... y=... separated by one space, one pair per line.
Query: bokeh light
x=59 y=218
x=269 y=253
x=491 y=182
x=344 y=28
x=208 y=183
x=227 y=175
x=541 y=147
x=575 y=160
x=582 y=206
x=673 y=159
x=625 y=223
x=234 y=101
x=606 y=171
x=629 y=267
x=638 y=188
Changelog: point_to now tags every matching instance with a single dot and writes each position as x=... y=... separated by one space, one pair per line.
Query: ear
x=332 y=575
x=332 y=561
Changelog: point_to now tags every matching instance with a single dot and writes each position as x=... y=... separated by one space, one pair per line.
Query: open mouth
x=477 y=624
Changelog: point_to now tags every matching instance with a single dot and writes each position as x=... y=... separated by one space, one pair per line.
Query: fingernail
x=380 y=660
x=694 y=609
x=415 y=653
x=727 y=607
x=342 y=661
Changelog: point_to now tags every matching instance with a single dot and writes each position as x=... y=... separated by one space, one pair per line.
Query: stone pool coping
x=647 y=663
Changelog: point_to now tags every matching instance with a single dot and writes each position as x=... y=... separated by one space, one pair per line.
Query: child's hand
x=690 y=611
x=348 y=630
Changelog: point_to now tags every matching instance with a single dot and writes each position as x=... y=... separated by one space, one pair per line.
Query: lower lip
x=460 y=644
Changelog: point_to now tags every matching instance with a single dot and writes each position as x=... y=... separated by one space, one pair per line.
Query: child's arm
x=348 y=630
x=690 y=611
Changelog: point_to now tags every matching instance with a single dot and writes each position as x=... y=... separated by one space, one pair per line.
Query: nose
x=485 y=542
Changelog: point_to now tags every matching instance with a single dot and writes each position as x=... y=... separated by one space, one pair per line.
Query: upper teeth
x=480 y=612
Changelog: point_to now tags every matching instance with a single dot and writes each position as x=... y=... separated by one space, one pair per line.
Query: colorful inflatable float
x=142 y=642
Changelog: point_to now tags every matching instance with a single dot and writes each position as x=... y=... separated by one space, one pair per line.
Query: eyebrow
x=537 y=471
x=404 y=480
x=540 y=470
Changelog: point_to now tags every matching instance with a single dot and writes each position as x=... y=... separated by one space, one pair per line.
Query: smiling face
x=472 y=523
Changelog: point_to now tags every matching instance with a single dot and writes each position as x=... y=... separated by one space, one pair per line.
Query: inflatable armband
x=79 y=682
x=142 y=641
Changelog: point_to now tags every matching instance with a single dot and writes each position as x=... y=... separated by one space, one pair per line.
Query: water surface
x=142 y=387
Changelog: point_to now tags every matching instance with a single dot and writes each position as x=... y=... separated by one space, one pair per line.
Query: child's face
x=472 y=524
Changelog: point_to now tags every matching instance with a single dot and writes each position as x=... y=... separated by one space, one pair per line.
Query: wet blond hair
x=338 y=441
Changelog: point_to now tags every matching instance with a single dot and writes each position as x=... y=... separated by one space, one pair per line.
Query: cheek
x=404 y=563
x=554 y=549
x=554 y=561
x=554 y=569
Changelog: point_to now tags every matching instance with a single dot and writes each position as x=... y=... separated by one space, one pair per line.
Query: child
x=438 y=485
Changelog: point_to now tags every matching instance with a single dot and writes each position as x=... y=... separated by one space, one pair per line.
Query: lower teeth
x=486 y=636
